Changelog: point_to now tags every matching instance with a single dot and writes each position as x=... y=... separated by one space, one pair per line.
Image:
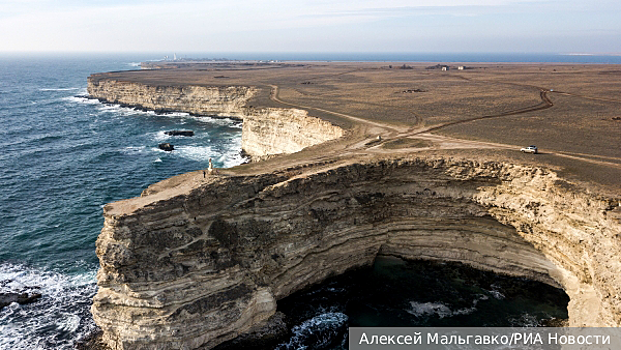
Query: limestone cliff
x=205 y=100
x=266 y=131
x=203 y=261
x=273 y=131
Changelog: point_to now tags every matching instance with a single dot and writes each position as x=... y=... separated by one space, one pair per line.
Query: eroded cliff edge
x=198 y=265
x=200 y=261
x=266 y=131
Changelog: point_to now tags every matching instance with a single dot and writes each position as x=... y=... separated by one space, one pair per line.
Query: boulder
x=179 y=133
x=166 y=147
x=20 y=298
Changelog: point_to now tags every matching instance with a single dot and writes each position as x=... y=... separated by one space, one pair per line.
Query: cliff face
x=199 y=261
x=274 y=131
x=265 y=131
x=198 y=265
x=228 y=101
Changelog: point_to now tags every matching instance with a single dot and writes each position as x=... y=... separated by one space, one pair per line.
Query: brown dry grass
x=586 y=98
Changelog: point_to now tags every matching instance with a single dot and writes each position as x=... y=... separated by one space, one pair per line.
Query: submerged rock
x=166 y=147
x=20 y=298
x=179 y=133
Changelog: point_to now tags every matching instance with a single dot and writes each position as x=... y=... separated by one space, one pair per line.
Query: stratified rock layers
x=185 y=268
x=265 y=131
x=274 y=131
x=206 y=100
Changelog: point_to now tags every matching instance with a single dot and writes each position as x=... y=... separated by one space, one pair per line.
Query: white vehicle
x=530 y=149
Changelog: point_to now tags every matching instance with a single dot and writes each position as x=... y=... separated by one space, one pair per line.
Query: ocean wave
x=441 y=309
x=525 y=320
x=221 y=121
x=196 y=153
x=134 y=64
x=160 y=136
x=81 y=99
x=318 y=332
x=229 y=159
x=133 y=149
x=424 y=309
x=131 y=111
x=496 y=293
x=57 y=320
x=124 y=111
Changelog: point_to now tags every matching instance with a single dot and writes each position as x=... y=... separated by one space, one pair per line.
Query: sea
x=64 y=156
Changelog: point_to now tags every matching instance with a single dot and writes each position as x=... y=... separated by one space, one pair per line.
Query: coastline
x=482 y=188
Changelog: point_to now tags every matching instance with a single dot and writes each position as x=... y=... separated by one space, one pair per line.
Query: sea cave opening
x=393 y=292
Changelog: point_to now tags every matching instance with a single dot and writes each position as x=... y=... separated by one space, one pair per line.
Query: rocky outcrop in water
x=166 y=147
x=196 y=265
x=188 y=133
x=20 y=298
x=266 y=132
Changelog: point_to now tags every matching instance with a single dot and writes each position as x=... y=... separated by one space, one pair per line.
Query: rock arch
x=185 y=266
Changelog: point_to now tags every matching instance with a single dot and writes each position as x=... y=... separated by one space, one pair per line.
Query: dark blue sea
x=64 y=156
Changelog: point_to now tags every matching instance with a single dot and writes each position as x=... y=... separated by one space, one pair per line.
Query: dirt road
x=390 y=133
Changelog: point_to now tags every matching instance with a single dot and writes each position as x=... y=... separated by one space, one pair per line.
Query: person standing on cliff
x=210 y=169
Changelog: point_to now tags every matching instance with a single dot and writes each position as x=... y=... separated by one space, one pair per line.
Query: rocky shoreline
x=198 y=262
x=265 y=131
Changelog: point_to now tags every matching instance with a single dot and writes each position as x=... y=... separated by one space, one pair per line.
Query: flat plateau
x=487 y=110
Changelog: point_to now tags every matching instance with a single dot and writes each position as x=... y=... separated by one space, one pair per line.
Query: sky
x=529 y=26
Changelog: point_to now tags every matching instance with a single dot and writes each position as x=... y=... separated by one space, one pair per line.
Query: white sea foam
x=496 y=294
x=161 y=136
x=81 y=99
x=134 y=64
x=197 y=153
x=56 y=320
x=175 y=114
x=134 y=149
x=423 y=309
x=440 y=309
x=230 y=122
x=525 y=320
x=318 y=331
x=231 y=159
x=129 y=111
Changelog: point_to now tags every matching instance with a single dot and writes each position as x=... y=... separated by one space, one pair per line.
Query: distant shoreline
x=447 y=57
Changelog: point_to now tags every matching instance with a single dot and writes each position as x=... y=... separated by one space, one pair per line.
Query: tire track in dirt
x=375 y=146
x=545 y=104
x=274 y=97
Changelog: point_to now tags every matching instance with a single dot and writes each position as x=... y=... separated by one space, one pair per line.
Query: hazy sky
x=569 y=26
